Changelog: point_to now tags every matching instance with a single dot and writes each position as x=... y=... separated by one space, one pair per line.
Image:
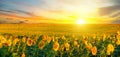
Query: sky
x=59 y=11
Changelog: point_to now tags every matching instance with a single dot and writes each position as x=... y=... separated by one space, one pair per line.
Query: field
x=59 y=40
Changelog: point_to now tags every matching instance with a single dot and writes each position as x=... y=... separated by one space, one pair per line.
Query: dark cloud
x=21 y=13
x=112 y=12
x=11 y=21
x=116 y=21
x=109 y=9
x=6 y=14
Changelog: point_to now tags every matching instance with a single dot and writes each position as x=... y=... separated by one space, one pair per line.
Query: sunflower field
x=60 y=46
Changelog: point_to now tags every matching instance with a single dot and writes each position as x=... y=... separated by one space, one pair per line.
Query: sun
x=81 y=21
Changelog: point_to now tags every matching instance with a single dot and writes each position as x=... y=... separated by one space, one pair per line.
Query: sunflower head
x=94 y=37
x=75 y=43
x=63 y=37
x=44 y=37
x=89 y=46
x=94 y=50
x=23 y=55
x=24 y=39
x=110 y=48
x=56 y=46
x=9 y=42
x=62 y=47
x=15 y=41
x=118 y=42
x=29 y=42
x=48 y=39
x=41 y=45
x=103 y=37
x=67 y=45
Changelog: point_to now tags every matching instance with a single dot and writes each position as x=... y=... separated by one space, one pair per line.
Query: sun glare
x=81 y=21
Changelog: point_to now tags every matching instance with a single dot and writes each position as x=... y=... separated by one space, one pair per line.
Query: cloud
x=52 y=9
x=11 y=21
x=116 y=21
x=109 y=9
x=16 y=12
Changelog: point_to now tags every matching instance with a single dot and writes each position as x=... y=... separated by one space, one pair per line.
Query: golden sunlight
x=81 y=21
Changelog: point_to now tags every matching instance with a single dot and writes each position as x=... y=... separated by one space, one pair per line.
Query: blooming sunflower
x=118 y=32
x=23 y=55
x=44 y=37
x=24 y=39
x=34 y=41
x=9 y=42
x=56 y=46
x=67 y=45
x=41 y=45
x=29 y=42
x=48 y=39
x=94 y=50
x=53 y=38
x=94 y=37
x=118 y=42
x=118 y=37
x=15 y=41
x=110 y=49
x=89 y=46
x=3 y=40
x=62 y=47
x=75 y=43
x=103 y=37
x=63 y=37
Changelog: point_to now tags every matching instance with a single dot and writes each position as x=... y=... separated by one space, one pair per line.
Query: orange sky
x=58 y=11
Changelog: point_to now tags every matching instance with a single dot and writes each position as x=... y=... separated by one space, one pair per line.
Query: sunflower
x=94 y=37
x=44 y=37
x=3 y=40
x=53 y=38
x=73 y=36
x=110 y=49
x=75 y=43
x=103 y=37
x=94 y=50
x=118 y=42
x=67 y=45
x=56 y=46
x=85 y=40
x=118 y=32
x=89 y=46
x=48 y=39
x=1 y=36
x=41 y=45
x=15 y=41
x=9 y=42
x=23 y=55
x=24 y=39
x=108 y=52
x=62 y=47
x=118 y=37
x=29 y=42
x=63 y=37
x=34 y=41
